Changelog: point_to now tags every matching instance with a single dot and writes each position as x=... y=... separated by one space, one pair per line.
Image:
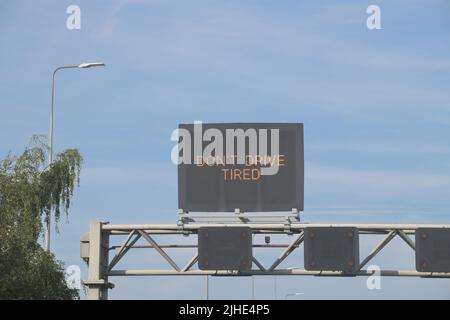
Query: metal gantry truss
x=95 y=250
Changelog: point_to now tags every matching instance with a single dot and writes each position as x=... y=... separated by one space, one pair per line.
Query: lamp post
x=253 y=287
x=207 y=288
x=275 y=288
x=50 y=158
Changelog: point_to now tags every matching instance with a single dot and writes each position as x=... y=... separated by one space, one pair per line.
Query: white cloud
x=374 y=183
x=130 y=174
x=382 y=147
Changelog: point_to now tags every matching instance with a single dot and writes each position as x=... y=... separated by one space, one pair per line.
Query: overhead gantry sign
x=238 y=180
x=102 y=253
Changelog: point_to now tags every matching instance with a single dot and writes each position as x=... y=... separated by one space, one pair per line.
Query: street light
x=50 y=159
x=293 y=294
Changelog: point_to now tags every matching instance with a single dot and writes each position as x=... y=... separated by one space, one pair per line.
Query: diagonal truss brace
x=378 y=248
x=159 y=249
x=294 y=244
x=127 y=244
x=407 y=239
x=258 y=264
x=391 y=235
x=190 y=263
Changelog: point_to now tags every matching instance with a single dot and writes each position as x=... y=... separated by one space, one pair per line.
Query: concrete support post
x=98 y=260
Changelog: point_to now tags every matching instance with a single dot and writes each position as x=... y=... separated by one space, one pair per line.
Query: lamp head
x=91 y=64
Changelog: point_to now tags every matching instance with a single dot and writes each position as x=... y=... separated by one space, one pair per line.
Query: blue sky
x=375 y=105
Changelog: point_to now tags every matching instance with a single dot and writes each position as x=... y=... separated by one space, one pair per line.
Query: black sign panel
x=224 y=248
x=433 y=249
x=253 y=167
x=332 y=249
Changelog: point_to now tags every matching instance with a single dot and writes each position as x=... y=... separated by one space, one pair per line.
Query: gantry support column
x=97 y=282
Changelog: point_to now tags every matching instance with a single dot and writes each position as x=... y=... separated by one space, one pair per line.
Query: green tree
x=29 y=192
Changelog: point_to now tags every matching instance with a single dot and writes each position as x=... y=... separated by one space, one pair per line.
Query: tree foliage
x=29 y=191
